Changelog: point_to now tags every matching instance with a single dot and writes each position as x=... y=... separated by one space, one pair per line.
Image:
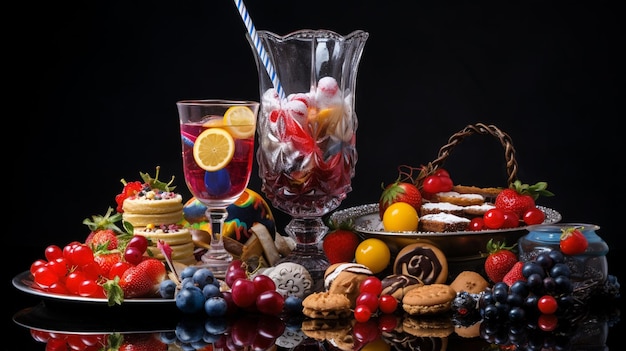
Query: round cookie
x=345 y=278
x=424 y=261
x=428 y=327
x=291 y=279
x=397 y=285
x=325 y=305
x=429 y=299
x=470 y=282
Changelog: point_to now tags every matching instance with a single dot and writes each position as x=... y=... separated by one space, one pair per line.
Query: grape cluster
x=200 y=290
x=531 y=312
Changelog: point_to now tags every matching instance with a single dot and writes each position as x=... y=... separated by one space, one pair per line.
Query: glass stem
x=217 y=258
x=217 y=217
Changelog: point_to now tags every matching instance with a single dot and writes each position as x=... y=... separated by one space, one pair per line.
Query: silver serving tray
x=461 y=244
x=24 y=282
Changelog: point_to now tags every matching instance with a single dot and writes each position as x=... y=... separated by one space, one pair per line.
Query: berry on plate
x=399 y=192
x=340 y=243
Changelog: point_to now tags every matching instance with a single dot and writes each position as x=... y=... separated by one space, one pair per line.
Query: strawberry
x=499 y=261
x=102 y=239
x=98 y=223
x=136 y=342
x=520 y=198
x=573 y=241
x=106 y=261
x=399 y=191
x=340 y=243
x=514 y=274
x=141 y=280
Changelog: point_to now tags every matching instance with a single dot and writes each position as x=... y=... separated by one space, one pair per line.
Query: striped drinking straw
x=243 y=12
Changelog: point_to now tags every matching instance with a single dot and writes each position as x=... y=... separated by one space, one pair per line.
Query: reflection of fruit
x=374 y=254
x=213 y=149
x=241 y=121
x=400 y=217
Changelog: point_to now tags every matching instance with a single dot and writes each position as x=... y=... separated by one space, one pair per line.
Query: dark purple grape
x=549 y=285
x=530 y=268
x=560 y=269
x=565 y=302
x=515 y=300
x=531 y=302
x=490 y=312
x=500 y=292
x=535 y=284
x=520 y=287
x=557 y=256
x=517 y=314
x=563 y=284
x=544 y=260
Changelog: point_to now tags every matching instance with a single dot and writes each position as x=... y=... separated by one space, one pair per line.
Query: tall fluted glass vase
x=307 y=131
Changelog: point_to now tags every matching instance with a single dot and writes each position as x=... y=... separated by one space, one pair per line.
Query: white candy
x=298 y=110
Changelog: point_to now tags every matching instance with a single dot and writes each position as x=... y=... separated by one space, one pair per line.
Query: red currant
x=547 y=304
x=53 y=252
x=534 y=216
x=476 y=224
x=372 y=285
x=362 y=313
x=494 y=218
x=547 y=322
x=368 y=299
x=387 y=303
x=511 y=220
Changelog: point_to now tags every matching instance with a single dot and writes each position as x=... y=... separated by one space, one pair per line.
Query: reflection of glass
x=307 y=135
x=218 y=153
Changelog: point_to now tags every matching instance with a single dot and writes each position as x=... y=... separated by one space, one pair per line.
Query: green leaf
x=114 y=292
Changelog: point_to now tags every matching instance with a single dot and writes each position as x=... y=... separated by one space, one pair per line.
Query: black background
x=96 y=85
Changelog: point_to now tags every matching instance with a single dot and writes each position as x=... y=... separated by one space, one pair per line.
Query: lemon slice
x=213 y=149
x=240 y=121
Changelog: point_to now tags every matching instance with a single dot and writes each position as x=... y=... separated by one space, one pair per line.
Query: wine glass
x=307 y=132
x=218 y=153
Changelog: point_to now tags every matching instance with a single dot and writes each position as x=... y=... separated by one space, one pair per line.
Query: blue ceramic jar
x=589 y=269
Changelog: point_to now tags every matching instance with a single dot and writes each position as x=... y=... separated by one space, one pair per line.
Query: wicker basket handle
x=480 y=128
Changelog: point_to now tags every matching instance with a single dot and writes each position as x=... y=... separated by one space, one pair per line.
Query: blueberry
x=188 y=271
x=190 y=299
x=167 y=289
x=211 y=290
x=293 y=304
x=215 y=306
x=202 y=277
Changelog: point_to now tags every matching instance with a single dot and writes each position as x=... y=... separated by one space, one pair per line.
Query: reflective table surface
x=41 y=323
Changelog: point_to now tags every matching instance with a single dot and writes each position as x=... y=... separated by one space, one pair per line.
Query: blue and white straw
x=243 y=12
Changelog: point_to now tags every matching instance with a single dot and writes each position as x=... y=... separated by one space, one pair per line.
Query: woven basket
x=455 y=139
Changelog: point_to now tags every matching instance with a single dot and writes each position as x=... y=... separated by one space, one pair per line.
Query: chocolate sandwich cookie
x=397 y=285
x=345 y=278
x=424 y=261
x=325 y=305
x=428 y=327
x=429 y=299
